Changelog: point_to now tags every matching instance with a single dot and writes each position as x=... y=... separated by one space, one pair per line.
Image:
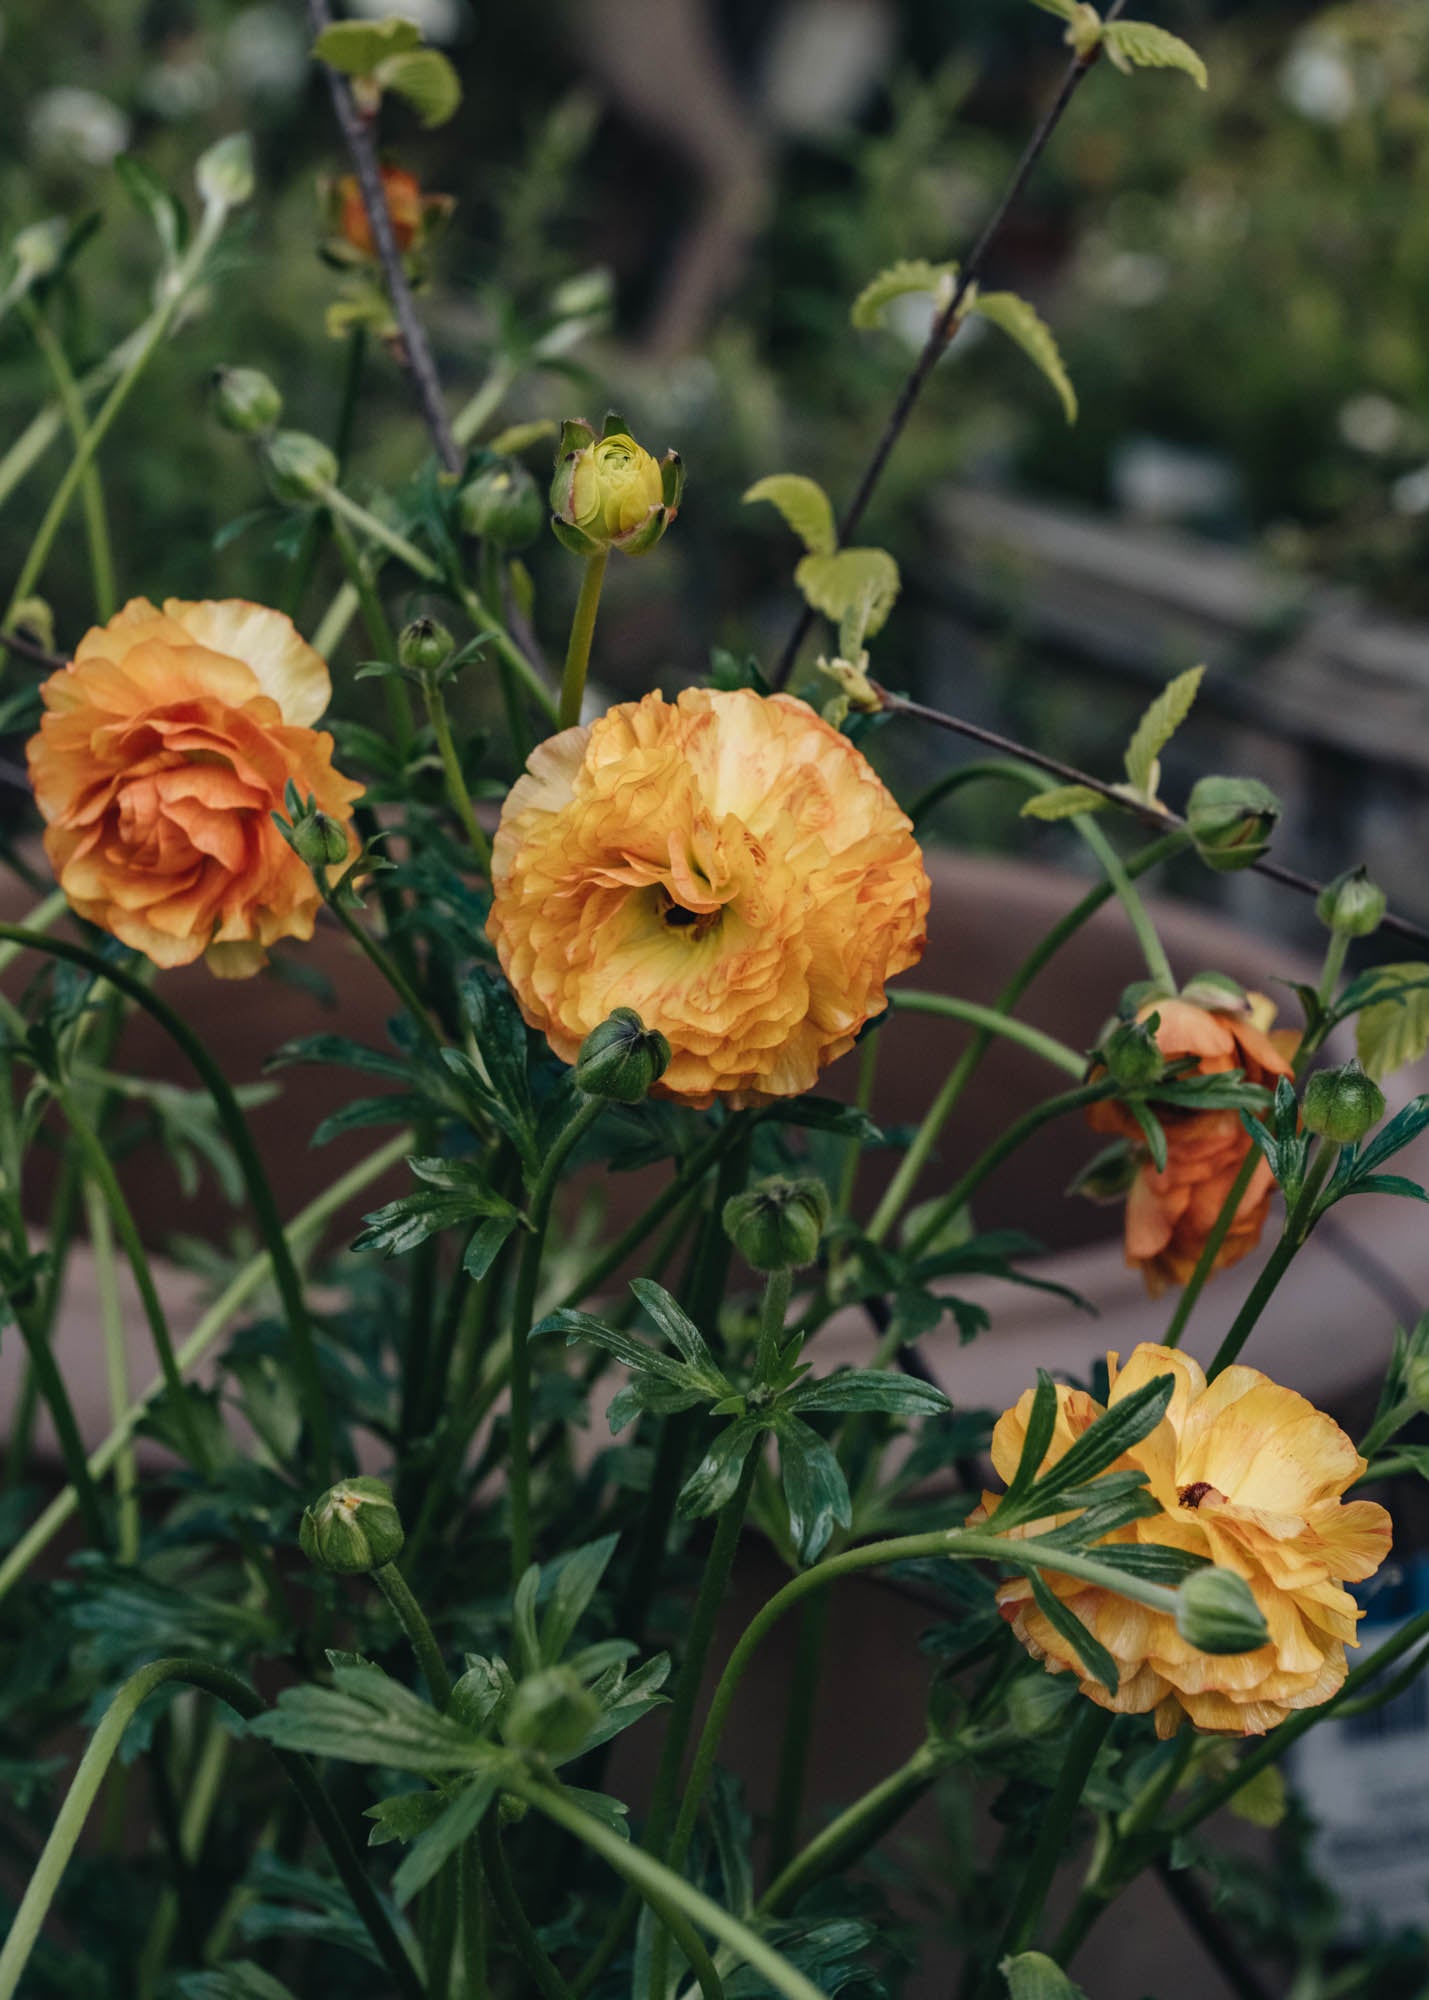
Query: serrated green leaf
x=1063 y=802
x=455 y=1824
x=425 y=79
x=403 y=1816
x=805 y=506
x=625 y=1347
x=1022 y=323
x=1393 y=1027
x=1141 y=45
x=1126 y=1423
x=862 y=580
x=678 y=1328
x=909 y=274
x=365 y=1718
x=357 y=47
x=1157 y=726
x=815 y=1489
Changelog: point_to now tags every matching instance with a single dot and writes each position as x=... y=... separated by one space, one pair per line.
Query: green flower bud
x=777 y=1225
x=1351 y=905
x=300 y=468
x=319 y=839
x=244 y=400
x=1342 y=1104
x=503 y=505
x=224 y=174
x=1131 y=1056
x=609 y=493
x=1231 y=821
x=551 y=1711
x=353 y=1529
x=425 y=646
x=1216 y=1612
x=621 y=1058
x=39 y=249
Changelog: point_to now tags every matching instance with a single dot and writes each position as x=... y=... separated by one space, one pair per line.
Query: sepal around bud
x=552 y=1712
x=244 y=400
x=1352 y=905
x=353 y=1529
x=778 y=1225
x=424 y=646
x=1130 y=1054
x=1231 y=821
x=609 y=492
x=1342 y=1104
x=1216 y=1613
x=314 y=836
x=621 y=1059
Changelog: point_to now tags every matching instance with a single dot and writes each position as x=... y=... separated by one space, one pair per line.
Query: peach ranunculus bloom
x=167 y=747
x=1170 y=1213
x=728 y=865
x=1251 y=1476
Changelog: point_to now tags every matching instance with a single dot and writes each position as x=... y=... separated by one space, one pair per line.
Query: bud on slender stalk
x=424 y=646
x=609 y=493
x=1216 y=1613
x=353 y=1529
x=778 y=1225
x=621 y=1058
x=300 y=468
x=1131 y=1056
x=1231 y=821
x=1342 y=1104
x=245 y=401
x=1351 y=905
x=552 y=1711
x=503 y=505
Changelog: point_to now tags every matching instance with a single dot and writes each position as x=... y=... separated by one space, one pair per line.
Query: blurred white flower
x=1410 y=495
x=439 y=20
x=266 y=52
x=1317 y=79
x=1133 y=278
x=1370 y=422
x=69 y=123
x=825 y=59
x=180 y=87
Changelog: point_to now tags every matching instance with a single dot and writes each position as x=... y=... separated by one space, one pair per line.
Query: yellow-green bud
x=552 y=1711
x=424 y=646
x=1342 y=1104
x=778 y=1225
x=1131 y=1056
x=244 y=400
x=1351 y=905
x=1216 y=1613
x=300 y=468
x=224 y=174
x=609 y=493
x=39 y=249
x=622 y=1058
x=503 y=505
x=353 y=1529
x=1231 y=820
x=318 y=839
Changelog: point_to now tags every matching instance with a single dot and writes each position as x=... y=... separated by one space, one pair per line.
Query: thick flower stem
x=857 y=1829
x=1298 y=1225
x=1051 y=1844
x=582 y=630
x=89 y=1777
x=523 y=1316
x=413 y=1620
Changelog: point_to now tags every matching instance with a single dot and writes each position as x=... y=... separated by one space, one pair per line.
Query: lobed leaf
x=1126 y=1423
x=862 y=580
x=815 y=1489
x=357 y=47
x=869 y=1389
x=426 y=80
x=1393 y=1025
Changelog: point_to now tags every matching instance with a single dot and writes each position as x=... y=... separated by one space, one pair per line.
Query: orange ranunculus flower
x=404 y=203
x=726 y=864
x=1170 y=1214
x=167 y=746
x=1250 y=1475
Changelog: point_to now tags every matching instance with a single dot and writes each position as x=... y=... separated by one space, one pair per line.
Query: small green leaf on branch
x=1022 y=323
x=805 y=506
x=910 y=274
x=1064 y=802
x=1156 y=728
x=1141 y=45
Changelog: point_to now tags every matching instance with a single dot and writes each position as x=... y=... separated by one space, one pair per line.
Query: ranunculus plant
x=443 y=1512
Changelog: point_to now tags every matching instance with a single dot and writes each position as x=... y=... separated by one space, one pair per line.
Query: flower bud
x=224 y=174
x=424 y=646
x=1342 y=1104
x=39 y=249
x=609 y=493
x=319 y=840
x=1131 y=1056
x=1216 y=1613
x=552 y=1711
x=777 y=1225
x=1351 y=905
x=621 y=1058
x=353 y=1529
x=300 y=468
x=503 y=505
x=404 y=205
x=1231 y=821
x=245 y=401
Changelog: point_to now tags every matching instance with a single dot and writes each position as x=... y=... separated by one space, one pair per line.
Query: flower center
x=1202 y=1489
x=691 y=923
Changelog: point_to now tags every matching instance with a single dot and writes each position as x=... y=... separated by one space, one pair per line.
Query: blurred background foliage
x=1239 y=281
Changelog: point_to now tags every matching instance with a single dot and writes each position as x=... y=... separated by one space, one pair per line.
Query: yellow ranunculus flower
x=729 y=866
x=616 y=484
x=1251 y=1476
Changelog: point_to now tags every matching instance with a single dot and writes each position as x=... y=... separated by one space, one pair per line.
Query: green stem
x=665 y=1203
x=457 y=792
x=45 y=426
x=1137 y=915
x=1298 y=1225
x=773 y=1313
x=529 y=1949
x=101 y=559
x=490 y=563
x=111 y=1321
x=486 y=620
x=309 y=548
x=471 y=1913
x=382 y=960
x=89 y=1777
x=380 y=637
x=50 y=1383
x=653 y=1880
x=37 y=921
x=344 y=509
x=857 y=1828
x=231 y=1300
x=1053 y=1839
x=995 y=1022
x=1210 y=1250
x=941 y=1109
x=582 y=631
x=796 y=1737
x=260 y=1194
x=523 y=1318
x=413 y=1620
x=966 y=774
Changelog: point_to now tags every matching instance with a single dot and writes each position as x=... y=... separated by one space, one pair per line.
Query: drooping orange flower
x=1250 y=1475
x=1171 y=1212
x=404 y=203
x=728 y=865
x=167 y=746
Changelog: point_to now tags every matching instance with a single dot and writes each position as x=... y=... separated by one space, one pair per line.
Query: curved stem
x=260 y=1194
x=529 y=1949
x=582 y=631
x=1298 y=1225
x=413 y=1620
x=485 y=620
x=84 y=1788
x=856 y=1829
x=965 y=774
x=1059 y=1054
